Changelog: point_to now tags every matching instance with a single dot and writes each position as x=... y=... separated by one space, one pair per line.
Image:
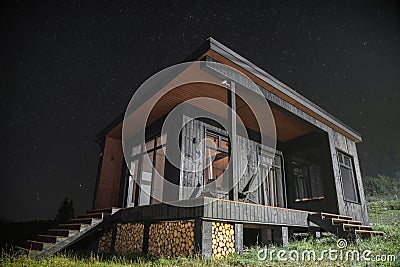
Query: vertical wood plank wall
x=193 y=161
x=110 y=175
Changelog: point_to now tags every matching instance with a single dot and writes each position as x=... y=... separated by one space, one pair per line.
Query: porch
x=205 y=226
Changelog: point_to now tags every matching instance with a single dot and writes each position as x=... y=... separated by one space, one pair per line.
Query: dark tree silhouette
x=66 y=211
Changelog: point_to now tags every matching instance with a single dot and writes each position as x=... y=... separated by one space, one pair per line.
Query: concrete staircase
x=341 y=225
x=66 y=234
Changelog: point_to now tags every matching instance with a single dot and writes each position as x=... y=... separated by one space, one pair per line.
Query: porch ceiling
x=287 y=127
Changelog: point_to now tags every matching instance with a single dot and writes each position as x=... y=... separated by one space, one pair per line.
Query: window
x=217 y=160
x=350 y=189
x=307 y=175
x=147 y=169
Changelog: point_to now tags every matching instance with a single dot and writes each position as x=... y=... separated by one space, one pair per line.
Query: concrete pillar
x=203 y=238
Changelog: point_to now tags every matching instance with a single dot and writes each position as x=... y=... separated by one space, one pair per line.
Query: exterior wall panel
x=357 y=210
x=110 y=175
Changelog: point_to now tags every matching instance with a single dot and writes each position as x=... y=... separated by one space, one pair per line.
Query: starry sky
x=68 y=68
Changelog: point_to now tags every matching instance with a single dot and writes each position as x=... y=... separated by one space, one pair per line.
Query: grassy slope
x=384 y=216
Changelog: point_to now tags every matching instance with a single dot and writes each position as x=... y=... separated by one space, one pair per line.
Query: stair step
x=64 y=232
x=110 y=210
x=91 y=216
x=369 y=232
x=26 y=250
x=38 y=245
x=50 y=238
x=347 y=226
x=89 y=221
x=341 y=221
x=73 y=226
x=336 y=216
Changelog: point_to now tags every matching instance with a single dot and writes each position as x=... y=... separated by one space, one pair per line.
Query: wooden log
x=171 y=238
x=223 y=239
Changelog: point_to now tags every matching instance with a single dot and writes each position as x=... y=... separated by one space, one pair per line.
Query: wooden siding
x=110 y=174
x=215 y=209
x=252 y=213
x=191 y=173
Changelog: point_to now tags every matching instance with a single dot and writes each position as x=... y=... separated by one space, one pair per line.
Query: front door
x=272 y=188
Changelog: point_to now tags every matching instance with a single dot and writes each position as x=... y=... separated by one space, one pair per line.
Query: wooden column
x=233 y=169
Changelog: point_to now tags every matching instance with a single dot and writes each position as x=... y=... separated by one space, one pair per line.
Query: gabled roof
x=225 y=55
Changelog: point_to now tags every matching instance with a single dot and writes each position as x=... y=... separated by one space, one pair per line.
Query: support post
x=203 y=238
x=239 y=238
x=233 y=169
x=146 y=235
x=114 y=236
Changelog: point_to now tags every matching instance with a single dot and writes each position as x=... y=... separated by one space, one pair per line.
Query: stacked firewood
x=105 y=241
x=129 y=237
x=223 y=239
x=171 y=238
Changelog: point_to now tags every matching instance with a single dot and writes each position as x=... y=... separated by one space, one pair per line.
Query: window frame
x=353 y=175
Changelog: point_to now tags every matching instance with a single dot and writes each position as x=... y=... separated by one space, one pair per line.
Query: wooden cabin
x=309 y=182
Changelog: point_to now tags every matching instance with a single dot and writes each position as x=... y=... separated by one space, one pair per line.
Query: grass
x=384 y=216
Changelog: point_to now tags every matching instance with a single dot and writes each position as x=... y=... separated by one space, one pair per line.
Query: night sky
x=68 y=68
